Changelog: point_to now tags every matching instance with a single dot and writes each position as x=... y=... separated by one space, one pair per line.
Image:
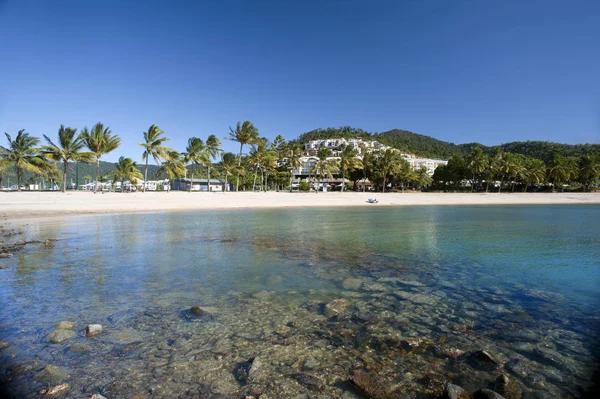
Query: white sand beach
x=28 y=204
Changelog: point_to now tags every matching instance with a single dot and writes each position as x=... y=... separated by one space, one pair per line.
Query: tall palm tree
x=535 y=172
x=367 y=163
x=125 y=170
x=23 y=154
x=244 y=133
x=195 y=154
x=230 y=167
x=173 y=166
x=68 y=149
x=348 y=162
x=100 y=141
x=153 y=147
x=213 y=151
x=293 y=155
x=324 y=167
x=478 y=163
x=388 y=164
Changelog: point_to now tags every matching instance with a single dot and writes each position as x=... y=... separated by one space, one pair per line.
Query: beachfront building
x=185 y=184
x=335 y=145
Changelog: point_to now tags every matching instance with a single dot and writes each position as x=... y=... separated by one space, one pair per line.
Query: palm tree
x=213 y=151
x=348 y=162
x=4 y=163
x=293 y=154
x=244 y=133
x=68 y=149
x=478 y=163
x=389 y=164
x=153 y=147
x=422 y=177
x=366 y=164
x=100 y=141
x=195 y=154
x=560 y=170
x=21 y=153
x=125 y=170
x=589 y=170
x=173 y=166
x=535 y=172
x=324 y=167
x=230 y=166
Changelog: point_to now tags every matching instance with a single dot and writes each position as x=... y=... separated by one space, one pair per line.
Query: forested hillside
x=426 y=146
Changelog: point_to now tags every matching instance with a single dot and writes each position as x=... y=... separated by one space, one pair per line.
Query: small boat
x=372 y=200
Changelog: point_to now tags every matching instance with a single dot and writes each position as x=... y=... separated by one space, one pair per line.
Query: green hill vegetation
x=425 y=146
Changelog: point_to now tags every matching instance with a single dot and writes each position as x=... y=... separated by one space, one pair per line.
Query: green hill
x=425 y=146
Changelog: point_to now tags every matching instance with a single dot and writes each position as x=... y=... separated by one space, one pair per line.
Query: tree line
x=269 y=165
x=511 y=171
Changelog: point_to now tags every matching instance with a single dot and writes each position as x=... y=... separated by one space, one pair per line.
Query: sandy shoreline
x=29 y=204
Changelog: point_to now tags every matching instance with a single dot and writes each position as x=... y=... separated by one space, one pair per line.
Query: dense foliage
x=425 y=146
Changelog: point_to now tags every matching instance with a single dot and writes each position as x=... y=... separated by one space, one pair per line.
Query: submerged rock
x=508 y=387
x=487 y=394
x=97 y=396
x=51 y=374
x=336 y=307
x=93 y=329
x=196 y=310
x=308 y=381
x=3 y=344
x=65 y=325
x=369 y=385
x=57 y=389
x=79 y=348
x=352 y=284
x=455 y=392
x=60 y=336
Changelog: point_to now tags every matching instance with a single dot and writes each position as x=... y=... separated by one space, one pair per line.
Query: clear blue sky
x=462 y=71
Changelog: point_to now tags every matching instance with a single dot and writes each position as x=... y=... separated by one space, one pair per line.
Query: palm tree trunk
x=192 y=178
x=65 y=166
x=97 y=174
x=487 y=185
x=500 y=187
x=343 y=180
x=237 y=184
x=383 y=188
x=472 y=183
x=255 y=176
x=291 y=179
x=208 y=176
x=145 y=176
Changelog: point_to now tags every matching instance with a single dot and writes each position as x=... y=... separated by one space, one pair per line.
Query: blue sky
x=462 y=71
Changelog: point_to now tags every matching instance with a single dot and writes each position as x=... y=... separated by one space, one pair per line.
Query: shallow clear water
x=424 y=289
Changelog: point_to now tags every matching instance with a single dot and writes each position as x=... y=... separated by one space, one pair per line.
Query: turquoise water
x=439 y=283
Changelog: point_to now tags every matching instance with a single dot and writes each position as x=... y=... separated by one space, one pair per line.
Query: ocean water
x=321 y=302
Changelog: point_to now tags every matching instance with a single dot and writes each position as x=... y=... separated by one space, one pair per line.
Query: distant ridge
x=426 y=146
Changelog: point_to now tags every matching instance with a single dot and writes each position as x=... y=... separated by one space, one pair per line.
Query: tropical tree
x=23 y=154
x=244 y=133
x=366 y=164
x=261 y=158
x=589 y=170
x=153 y=147
x=422 y=177
x=478 y=163
x=173 y=166
x=125 y=170
x=213 y=151
x=560 y=170
x=293 y=155
x=535 y=172
x=388 y=164
x=4 y=163
x=230 y=166
x=348 y=162
x=100 y=141
x=195 y=154
x=68 y=149
x=324 y=167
